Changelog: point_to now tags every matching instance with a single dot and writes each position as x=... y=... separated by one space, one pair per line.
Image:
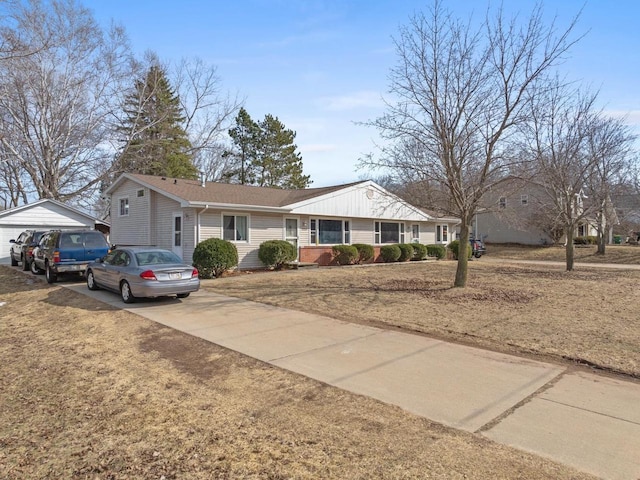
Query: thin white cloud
x=361 y=99
x=318 y=148
x=631 y=117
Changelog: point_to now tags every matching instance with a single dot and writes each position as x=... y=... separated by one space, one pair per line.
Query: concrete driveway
x=587 y=421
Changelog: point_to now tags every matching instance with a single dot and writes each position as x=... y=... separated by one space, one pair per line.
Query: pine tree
x=156 y=142
x=246 y=139
x=265 y=154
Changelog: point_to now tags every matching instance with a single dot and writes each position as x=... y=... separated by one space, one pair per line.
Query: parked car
x=477 y=247
x=22 y=247
x=143 y=272
x=65 y=251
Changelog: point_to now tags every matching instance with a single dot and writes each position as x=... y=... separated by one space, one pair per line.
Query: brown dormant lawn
x=588 y=316
x=93 y=392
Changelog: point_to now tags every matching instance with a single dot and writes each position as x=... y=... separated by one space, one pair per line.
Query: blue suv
x=64 y=251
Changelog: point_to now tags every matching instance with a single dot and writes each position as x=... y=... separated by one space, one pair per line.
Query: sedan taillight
x=148 y=275
x=194 y=273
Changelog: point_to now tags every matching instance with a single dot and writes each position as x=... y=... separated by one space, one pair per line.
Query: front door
x=291 y=232
x=176 y=238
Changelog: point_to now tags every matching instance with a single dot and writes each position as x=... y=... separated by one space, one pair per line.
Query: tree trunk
x=569 y=249
x=463 y=256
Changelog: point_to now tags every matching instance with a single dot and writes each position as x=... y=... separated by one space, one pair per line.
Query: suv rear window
x=94 y=240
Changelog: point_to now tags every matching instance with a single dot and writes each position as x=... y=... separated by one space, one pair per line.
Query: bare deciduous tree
x=558 y=135
x=609 y=145
x=459 y=95
x=209 y=113
x=56 y=102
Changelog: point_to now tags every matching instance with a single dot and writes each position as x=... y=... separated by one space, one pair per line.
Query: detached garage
x=42 y=215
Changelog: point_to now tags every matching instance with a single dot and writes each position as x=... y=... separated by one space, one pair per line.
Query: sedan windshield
x=156 y=257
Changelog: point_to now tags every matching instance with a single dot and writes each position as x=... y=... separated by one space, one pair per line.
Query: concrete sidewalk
x=587 y=421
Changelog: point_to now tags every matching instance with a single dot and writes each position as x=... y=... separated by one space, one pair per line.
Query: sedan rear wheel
x=125 y=292
x=182 y=295
x=91 y=281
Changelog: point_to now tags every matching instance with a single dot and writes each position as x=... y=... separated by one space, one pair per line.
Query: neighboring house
x=521 y=212
x=177 y=214
x=628 y=211
x=44 y=214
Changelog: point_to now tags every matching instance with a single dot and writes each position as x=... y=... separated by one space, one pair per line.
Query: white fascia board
x=121 y=178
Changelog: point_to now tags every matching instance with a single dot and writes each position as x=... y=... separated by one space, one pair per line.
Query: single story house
x=177 y=214
x=45 y=214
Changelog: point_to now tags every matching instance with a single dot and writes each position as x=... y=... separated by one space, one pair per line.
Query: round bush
x=406 y=252
x=455 y=247
x=437 y=251
x=419 y=251
x=275 y=253
x=345 y=254
x=214 y=256
x=365 y=252
x=390 y=253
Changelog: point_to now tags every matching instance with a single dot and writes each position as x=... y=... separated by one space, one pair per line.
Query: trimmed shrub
x=275 y=253
x=588 y=240
x=345 y=254
x=455 y=247
x=390 y=253
x=406 y=252
x=365 y=252
x=419 y=251
x=437 y=251
x=214 y=256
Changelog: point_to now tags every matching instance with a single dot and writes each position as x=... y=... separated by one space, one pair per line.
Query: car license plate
x=175 y=276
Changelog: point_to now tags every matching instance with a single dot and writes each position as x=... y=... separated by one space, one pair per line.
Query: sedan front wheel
x=91 y=281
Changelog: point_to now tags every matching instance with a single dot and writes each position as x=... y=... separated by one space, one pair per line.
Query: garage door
x=7 y=233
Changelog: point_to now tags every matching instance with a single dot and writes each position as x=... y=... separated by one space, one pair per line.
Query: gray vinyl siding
x=262 y=227
x=162 y=214
x=134 y=229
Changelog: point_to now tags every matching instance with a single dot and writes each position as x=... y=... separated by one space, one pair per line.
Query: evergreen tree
x=156 y=142
x=265 y=154
x=246 y=139
x=279 y=165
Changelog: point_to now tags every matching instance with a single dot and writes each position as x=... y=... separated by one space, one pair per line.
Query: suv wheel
x=50 y=274
x=34 y=268
x=14 y=262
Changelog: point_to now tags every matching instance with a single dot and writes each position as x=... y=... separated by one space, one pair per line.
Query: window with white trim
x=388 y=232
x=235 y=228
x=329 y=232
x=502 y=203
x=524 y=199
x=124 y=207
x=442 y=233
x=415 y=233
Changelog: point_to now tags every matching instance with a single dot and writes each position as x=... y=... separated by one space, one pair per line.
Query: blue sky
x=321 y=66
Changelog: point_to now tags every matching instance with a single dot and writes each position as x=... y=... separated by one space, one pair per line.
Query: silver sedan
x=143 y=272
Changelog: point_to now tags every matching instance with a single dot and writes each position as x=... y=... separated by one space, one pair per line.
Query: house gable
x=362 y=200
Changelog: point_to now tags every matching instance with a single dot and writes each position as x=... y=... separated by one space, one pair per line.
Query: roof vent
x=203 y=180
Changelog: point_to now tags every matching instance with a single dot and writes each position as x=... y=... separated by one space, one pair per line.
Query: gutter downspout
x=198 y=224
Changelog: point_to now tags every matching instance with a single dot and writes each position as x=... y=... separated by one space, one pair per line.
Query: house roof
x=193 y=192
x=45 y=201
